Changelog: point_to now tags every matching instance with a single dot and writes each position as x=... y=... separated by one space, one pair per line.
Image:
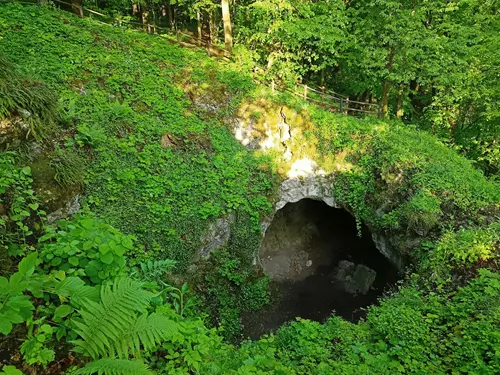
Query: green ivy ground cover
x=156 y=169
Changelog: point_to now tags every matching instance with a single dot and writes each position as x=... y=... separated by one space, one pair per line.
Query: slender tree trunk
x=212 y=22
x=77 y=7
x=386 y=86
x=198 y=20
x=400 y=110
x=145 y=18
x=170 y=16
x=228 y=31
x=135 y=9
x=385 y=97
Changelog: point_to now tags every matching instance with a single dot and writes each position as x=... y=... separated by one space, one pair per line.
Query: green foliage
x=10 y=370
x=428 y=190
x=110 y=366
x=33 y=349
x=85 y=247
x=150 y=153
x=153 y=271
x=158 y=171
x=413 y=332
x=119 y=324
x=15 y=306
x=33 y=101
x=181 y=300
x=69 y=167
x=423 y=211
x=466 y=248
x=17 y=205
x=232 y=287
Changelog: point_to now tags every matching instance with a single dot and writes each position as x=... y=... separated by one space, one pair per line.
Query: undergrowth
x=157 y=170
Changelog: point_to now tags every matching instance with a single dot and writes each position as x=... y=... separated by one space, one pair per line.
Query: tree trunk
x=400 y=110
x=212 y=22
x=145 y=18
x=198 y=19
x=385 y=97
x=170 y=17
x=228 y=31
x=386 y=86
x=78 y=7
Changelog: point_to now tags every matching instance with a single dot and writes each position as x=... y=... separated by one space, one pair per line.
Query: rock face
x=385 y=246
x=355 y=279
x=13 y=130
x=317 y=187
x=217 y=236
x=71 y=207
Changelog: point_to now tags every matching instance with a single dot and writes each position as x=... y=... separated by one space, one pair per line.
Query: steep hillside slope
x=155 y=169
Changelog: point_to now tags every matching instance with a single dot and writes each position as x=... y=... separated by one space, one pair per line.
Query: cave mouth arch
x=318 y=264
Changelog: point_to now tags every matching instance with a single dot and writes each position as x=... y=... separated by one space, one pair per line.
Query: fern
x=119 y=324
x=147 y=332
x=75 y=288
x=153 y=271
x=108 y=366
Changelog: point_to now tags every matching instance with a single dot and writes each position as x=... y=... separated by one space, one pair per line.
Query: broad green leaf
x=63 y=310
x=107 y=258
x=5 y=325
x=27 y=265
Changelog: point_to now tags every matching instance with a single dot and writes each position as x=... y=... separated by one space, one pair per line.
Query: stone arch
x=319 y=187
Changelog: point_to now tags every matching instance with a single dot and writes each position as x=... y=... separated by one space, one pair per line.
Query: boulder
x=355 y=279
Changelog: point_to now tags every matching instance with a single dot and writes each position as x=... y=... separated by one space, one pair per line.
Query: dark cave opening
x=318 y=266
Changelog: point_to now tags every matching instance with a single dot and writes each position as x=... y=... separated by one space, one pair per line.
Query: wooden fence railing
x=335 y=102
x=321 y=96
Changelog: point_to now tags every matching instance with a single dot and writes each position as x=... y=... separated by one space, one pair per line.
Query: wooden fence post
x=322 y=93
x=178 y=35
x=208 y=48
x=346 y=106
x=305 y=92
x=341 y=100
x=272 y=85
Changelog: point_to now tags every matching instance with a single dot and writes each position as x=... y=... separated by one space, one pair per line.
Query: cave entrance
x=318 y=265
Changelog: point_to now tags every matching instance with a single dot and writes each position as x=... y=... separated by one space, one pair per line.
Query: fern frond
x=127 y=294
x=119 y=325
x=75 y=288
x=148 y=331
x=108 y=366
x=152 y=271
x=104 y=323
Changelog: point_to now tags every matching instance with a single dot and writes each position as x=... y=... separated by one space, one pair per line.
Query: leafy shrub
x=18 y=204
x=85 y=247
x=423 y=211
x=90 y=135
x=33 y=349
x=464 y=248
x=10 y=370
x=15 y=306
x=231 y=287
